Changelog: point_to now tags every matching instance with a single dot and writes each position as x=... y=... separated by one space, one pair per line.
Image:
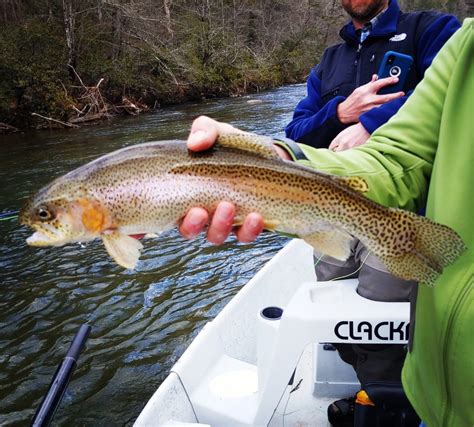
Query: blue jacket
x=348 y=65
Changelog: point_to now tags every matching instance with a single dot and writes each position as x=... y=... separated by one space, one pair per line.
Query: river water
x=142 y=321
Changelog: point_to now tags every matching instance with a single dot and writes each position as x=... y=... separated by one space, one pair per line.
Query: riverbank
x=86 y=105
x=67 y=63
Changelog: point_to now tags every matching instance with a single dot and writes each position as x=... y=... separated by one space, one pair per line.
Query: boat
x=268 y=359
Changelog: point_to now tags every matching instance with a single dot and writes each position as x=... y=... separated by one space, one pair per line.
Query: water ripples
x=141 y=321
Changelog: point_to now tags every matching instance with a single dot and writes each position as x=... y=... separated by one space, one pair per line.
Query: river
x=142 y=321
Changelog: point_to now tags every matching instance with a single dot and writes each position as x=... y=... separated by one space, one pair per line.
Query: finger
x=194 y=222
x=334 y=143
x=203 y=135
x=282 y=153
x=375 y=77
x=380 y=83
x=221 y=223
x=345 y=146
x=382 y=99
x=251 y=228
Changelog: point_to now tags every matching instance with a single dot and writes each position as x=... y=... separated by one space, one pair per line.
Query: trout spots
x=149 y=187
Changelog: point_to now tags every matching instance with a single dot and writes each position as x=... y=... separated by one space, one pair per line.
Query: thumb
x=203 y=135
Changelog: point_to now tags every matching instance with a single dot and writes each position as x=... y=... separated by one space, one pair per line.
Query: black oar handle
x=58 y=386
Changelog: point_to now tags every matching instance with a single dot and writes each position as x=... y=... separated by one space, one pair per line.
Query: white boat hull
x=236 y=371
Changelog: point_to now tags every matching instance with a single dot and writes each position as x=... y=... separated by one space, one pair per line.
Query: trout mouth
x=46 y=235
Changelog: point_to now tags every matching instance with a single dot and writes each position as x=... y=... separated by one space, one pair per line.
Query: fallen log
x=50 y=119
x=4 y=128
x=90 y=118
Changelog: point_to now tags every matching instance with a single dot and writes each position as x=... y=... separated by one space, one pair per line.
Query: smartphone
x=395 y=64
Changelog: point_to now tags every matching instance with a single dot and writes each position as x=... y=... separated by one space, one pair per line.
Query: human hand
x=204 y=132
x=350 y=137
x=364 y=98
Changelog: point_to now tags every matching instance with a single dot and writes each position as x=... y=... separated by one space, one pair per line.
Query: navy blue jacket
x=348 y=65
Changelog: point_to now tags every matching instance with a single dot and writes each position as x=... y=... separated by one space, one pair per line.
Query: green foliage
x=204 y=49
x=31 y=63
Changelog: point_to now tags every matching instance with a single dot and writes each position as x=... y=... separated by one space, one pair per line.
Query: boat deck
x=236 y=371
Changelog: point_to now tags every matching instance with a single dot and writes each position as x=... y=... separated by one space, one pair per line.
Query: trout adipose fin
x=354 y=182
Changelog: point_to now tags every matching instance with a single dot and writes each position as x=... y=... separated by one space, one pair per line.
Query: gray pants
x=371 y=362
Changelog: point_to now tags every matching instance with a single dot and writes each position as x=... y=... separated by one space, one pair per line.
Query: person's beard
x=363 y=12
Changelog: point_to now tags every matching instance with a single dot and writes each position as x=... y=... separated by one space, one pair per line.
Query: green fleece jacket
x=425 y=154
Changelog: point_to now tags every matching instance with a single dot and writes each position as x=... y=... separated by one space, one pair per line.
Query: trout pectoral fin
x=334 y=243
x=125 y=250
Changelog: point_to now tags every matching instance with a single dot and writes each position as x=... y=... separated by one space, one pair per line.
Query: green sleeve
x=397 y=160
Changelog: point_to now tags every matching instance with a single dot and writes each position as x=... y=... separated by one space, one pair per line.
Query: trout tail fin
x=434 y=247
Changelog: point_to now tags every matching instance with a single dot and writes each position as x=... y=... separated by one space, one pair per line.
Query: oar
x=58 y=386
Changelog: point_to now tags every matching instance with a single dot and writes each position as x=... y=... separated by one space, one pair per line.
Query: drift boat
x=265 y=360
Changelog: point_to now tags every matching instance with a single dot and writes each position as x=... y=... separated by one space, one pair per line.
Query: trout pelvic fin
x=271 y=224
x=257 y=144
x=334 y=243
x=125 y=250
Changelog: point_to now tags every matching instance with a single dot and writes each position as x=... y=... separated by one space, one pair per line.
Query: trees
x=158 y=51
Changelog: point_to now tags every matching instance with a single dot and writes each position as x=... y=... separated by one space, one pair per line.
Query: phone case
x=395 y=64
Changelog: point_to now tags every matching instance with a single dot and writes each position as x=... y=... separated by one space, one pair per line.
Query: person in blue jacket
x=342 y=107
x=341 y=110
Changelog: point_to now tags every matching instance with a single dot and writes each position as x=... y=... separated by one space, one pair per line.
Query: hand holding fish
x=203 y=135
x=221 y=224
x=205 y=131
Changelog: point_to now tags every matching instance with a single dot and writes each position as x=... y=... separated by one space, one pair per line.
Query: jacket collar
x=386 y=25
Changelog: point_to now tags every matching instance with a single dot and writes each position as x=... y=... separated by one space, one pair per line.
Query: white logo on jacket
x=398 y=37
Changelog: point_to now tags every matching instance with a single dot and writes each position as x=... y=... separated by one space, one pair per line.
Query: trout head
x=61 y=220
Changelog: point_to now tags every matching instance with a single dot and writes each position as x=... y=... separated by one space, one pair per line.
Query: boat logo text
x=363 y=330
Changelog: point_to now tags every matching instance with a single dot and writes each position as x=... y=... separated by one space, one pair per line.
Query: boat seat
x=321 y=312
x=334 y=312
x=246 y=395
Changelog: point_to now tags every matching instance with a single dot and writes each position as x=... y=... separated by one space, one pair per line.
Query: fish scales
x=149 y=187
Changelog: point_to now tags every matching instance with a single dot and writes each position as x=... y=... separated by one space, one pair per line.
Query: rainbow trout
x=148 y=188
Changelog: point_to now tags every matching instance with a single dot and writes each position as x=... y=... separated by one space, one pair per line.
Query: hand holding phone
x=394 y=64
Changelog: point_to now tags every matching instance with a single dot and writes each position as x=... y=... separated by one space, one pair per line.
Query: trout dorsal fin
x=354 y=182
x=257 y=144
x=263 y=146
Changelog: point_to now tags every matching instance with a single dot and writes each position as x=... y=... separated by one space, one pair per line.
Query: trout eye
x=44 y=214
